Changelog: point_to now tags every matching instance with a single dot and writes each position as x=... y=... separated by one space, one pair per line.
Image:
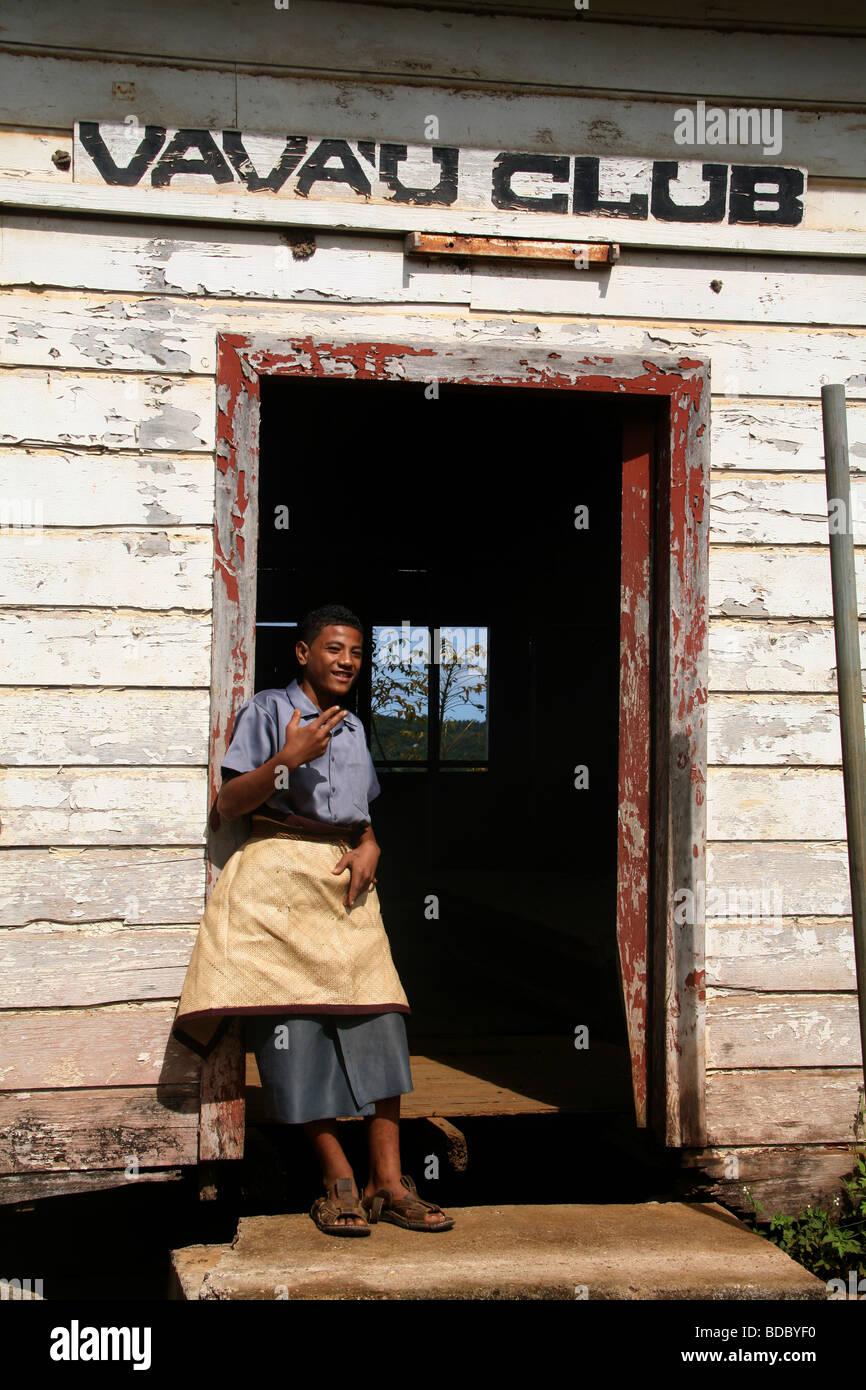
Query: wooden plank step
x=526 y=1074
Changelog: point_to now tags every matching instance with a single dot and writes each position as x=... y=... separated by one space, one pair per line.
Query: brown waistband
x=302 y=828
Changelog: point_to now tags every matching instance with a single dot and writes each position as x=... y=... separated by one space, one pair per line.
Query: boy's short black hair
x=331 y=614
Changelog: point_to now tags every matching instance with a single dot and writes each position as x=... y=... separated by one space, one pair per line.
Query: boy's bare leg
x=383 y=1142
x=333 y=1162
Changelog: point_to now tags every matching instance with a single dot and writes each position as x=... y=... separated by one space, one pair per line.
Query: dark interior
x=461 y=510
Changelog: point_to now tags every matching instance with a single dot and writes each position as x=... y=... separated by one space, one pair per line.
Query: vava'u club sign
x=432 y=175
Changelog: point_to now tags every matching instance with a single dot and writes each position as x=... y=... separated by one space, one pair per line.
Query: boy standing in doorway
x=307 y=963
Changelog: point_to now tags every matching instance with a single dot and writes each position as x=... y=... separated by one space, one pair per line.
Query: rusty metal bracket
x=599 y=253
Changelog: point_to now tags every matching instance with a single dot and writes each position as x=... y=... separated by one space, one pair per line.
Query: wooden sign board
x=333 y=170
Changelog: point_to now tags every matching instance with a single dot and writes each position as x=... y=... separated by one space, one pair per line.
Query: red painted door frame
x=663 y=670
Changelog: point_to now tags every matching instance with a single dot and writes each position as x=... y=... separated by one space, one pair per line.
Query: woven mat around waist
x=276 y=938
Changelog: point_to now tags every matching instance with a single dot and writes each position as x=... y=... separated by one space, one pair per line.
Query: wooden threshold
x=524 y=1074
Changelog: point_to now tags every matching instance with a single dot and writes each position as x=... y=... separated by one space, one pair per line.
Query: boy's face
x=332 y=660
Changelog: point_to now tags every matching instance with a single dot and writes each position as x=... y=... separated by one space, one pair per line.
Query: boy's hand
x=304 y=743
x=362 y=862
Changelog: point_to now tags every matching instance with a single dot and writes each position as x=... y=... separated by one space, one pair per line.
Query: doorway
x=510 y=965
x=489 y=589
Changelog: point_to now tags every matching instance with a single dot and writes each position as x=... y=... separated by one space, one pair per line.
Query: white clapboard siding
x=794 y=953
x=157 y=568
x=751 y=655
x=746 y=360
x=718 y=288
x=596 y=118
x=359 y=38
x=174 y=206
x=812 y=1105
x=69 y=330
x=112 y=412
x=257 y=263
x=111 y=1127
x=27 y=154
x=804 y=878
x=766 y=729
x=42 y=967
x=88 y=489
x=104 y=806
x=779 y=582
x=784 y=803
x=781 y=434
x=241 y=262
x=135 y=886
x=97 y=727
x=599 y=123
x=117 y=1045
x=782 y=509
x=745 y=1029
x=47 y=646
x=50 y=90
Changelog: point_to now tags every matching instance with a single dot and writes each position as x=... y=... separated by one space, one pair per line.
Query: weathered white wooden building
x=254 y=256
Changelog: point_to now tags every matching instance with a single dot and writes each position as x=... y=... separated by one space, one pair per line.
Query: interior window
x=428 y=696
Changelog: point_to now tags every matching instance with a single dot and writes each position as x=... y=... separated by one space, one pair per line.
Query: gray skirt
x=322 y=1066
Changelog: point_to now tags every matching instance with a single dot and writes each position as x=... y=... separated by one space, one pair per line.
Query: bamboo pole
x=846 y=629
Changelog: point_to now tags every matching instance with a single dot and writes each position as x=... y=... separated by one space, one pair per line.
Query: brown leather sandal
x=329 y=1212
x=407 y=1212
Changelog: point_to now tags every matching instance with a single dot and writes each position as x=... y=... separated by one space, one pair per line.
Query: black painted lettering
x=349 y=171
x=173 y=161
x=787 y=185
x=293 y=153
x=666 y=210
x=586 y=199
x=128 y=176
x=445 y=191
x=507 y=165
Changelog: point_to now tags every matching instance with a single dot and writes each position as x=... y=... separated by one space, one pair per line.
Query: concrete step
x=650 y=1250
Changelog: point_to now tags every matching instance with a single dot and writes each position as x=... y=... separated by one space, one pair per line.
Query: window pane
x=463 y=668
x=398 y=705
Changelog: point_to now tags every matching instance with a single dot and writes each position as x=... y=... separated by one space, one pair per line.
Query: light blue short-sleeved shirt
x=336 y=787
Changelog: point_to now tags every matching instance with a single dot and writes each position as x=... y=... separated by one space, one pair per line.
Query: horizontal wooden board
x=813 y=1105
x=782 y=509
x=776 y=582
x=807 y=877
x=257 y=263
x=662 y=285
x=795 y=953
x=121 y=1045
x=57 y=1131
x=746 y=360
x=241 y=262
x=778 y=656
x=368 y=39
x=33 y=1187
x=245 y=209
x=97 y=726
x=749 y=360
x=43 y=967
x=157 y=414
x=747 y=1029
x=104 y=806
x=79 y=488
x=785 y=435
x=784 y=803
x=784 y=1178
x=167 y=568
x=62 y=647
x=768 y=729
x=27 y=154
x=131 y=885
